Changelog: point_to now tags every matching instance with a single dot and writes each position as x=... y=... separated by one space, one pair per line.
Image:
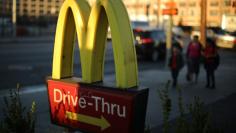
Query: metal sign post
x=14 y=18
x=168 y=40
x=171 y=10
x=87 y=103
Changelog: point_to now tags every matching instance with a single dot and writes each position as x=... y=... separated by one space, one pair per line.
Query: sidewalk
x=155 y=79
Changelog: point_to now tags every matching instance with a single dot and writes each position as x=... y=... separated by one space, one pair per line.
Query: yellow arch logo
x=91 y=27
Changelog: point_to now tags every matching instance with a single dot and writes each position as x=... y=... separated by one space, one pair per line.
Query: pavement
x=26 y=39
x=220 y=100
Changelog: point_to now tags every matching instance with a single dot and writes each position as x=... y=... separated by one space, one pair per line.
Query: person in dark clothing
x=175 y=64
x=211 y=59
x=193 y=58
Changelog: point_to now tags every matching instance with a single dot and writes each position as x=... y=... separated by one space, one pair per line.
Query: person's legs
x=191 y=69
x=208 y=78
x=174 y=76
x=196 y=67
x=188 y=70
x=212 y=79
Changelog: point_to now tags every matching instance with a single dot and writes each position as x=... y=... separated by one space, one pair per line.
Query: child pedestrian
x=211 y=62
x=175 y=64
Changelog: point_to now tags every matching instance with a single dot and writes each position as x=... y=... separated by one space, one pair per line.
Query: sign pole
x=159 y=13
x=168 y=40
x=203 y=22
x=170 y=12
x=14 y=17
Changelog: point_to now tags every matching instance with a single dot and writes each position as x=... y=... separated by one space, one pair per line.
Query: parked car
x=139 y=24
x=151 y=43
x=134 y=25
x=226 y=40
x=210 y=33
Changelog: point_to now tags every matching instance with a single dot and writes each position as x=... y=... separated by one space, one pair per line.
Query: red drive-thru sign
x=93 y=108
x=170 y=9
x=89 y=104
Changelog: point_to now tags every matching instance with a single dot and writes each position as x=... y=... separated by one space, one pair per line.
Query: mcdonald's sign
x=87 y=103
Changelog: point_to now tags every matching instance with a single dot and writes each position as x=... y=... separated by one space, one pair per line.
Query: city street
x=29 y=64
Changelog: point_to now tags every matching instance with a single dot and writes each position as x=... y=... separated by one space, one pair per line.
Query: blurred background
x=38 y=17
x=27 y=30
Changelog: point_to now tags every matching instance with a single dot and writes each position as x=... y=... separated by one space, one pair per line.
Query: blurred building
x=189 y=11
x=36 y=8
x=32 y=10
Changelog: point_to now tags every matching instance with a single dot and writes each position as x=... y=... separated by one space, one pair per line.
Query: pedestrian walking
x=175 y=64
x=211 y=62
x=193 y=59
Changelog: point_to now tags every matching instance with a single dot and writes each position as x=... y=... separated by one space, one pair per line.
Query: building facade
x=189 y=11
x=36 y=8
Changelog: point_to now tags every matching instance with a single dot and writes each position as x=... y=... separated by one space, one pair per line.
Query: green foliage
x=16 y=119
x=199 y=121
x=181 y=125
x=166 y=106
x=200 y=118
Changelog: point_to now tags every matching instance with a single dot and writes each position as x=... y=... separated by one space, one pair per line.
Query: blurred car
x=226 y=40
x=139 y=24
x=210 y=33
x=151 y=43
x=134 y=25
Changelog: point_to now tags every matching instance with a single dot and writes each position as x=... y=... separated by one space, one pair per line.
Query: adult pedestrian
x=175 y=63
x=193 y=58
x=211 y=62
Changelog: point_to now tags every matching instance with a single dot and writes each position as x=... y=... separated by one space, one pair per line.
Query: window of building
x=227 y=3
x=192 y=13
x=182 y=13
x=192 y=4
x=24 y=12
x=234 y=4
x=41 y=12
x=214 y=3
x=227 y=11
x=182 y=4
x=214 y=13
